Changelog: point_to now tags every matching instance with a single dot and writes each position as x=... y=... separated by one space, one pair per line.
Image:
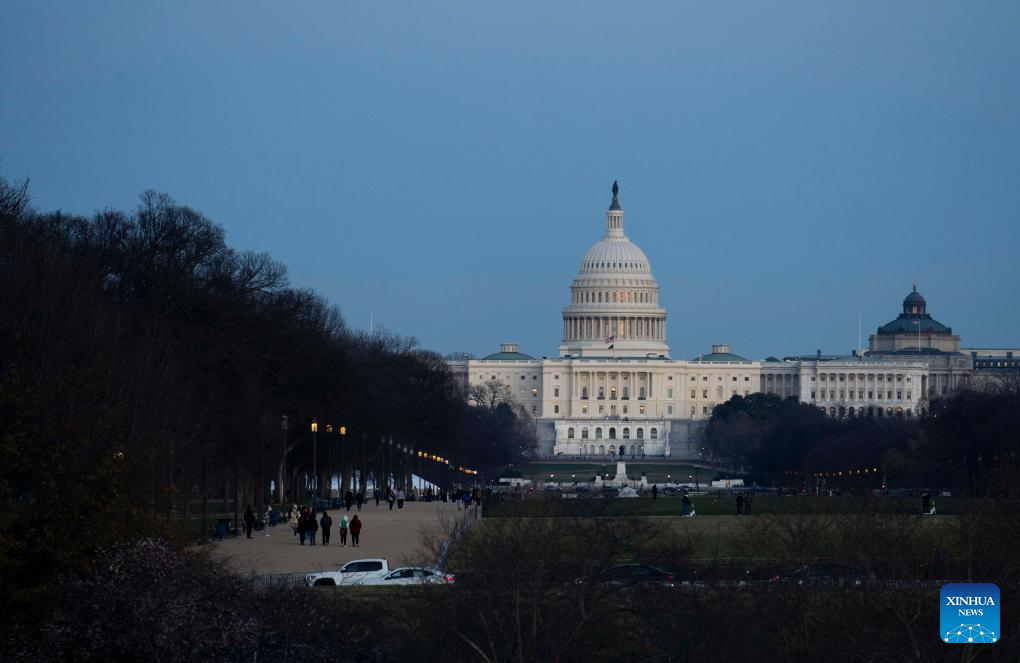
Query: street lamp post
x=340 y=485
x=315 y=457
x=329 y=470
x=283 y=473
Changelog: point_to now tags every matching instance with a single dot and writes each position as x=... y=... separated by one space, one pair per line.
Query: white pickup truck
x=351 y=573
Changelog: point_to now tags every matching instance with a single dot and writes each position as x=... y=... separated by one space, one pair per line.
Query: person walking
x=312 y=527
x=295 y=520
x=390 y=497
x=655 y=491
x=400 y=498
x=355 y=530
x=360 y=499
x=348 y=499
x=326 y=523
x=249 y=521
x=376 y=492
x=344 y=525
x=302 y=527
x=686 y=504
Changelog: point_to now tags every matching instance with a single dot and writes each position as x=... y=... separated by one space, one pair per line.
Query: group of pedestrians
x=744 y=502
x=307 y=528
x=393 y=497
x=354 y=499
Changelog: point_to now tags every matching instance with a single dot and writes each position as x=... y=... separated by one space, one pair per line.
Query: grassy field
x=723 y=505
x=791 y=531
x=581 y=471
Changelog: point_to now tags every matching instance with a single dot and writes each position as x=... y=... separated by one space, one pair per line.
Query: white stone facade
x=615 y=388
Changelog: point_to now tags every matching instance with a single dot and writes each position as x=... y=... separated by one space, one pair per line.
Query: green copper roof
x=906 y=322
x=507 y=356
x=720 y=356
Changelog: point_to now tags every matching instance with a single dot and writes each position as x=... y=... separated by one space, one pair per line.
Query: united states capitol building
x=615 y=390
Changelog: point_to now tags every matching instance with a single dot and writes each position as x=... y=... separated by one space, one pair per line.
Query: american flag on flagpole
x=610 y=341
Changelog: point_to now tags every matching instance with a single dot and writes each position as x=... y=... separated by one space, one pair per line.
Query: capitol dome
x=613 y=255
x=614 y=300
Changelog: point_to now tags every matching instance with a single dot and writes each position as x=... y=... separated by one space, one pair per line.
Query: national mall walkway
x=395 y=535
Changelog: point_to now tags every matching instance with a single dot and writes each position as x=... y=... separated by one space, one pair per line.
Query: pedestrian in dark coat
x=348 y=500
x=355 y=528
x=655 y=491
x=687 y=504
x=360 y=499
x=926 y=503
x=249 y=521
x=312 y=527
x=327 y=523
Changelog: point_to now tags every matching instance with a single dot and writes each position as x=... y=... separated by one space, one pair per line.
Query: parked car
x=351 y=573
x=825 y=573
x=411 y=575
x=632 y=574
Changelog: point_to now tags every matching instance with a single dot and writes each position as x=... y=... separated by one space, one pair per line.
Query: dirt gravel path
x=395 y=535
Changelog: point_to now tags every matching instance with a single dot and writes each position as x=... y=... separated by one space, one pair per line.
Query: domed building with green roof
x=914 y=330
x=914 y=335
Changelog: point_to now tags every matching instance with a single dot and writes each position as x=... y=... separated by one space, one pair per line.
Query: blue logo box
x=969 y=613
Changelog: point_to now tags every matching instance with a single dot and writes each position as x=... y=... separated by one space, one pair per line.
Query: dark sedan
x=632 y=574
x=825 y=573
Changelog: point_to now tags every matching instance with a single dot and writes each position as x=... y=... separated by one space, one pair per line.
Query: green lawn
x=721 y=505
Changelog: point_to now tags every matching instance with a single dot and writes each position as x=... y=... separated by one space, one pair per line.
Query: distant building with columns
x=614 y=390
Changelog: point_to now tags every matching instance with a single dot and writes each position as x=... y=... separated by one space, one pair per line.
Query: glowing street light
x=315 y=455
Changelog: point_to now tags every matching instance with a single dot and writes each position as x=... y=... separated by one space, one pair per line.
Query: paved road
x=395 y=535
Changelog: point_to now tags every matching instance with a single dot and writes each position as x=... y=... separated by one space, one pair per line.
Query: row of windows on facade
x=624 y=327
x=612 y=409
x=641 y=394
x=625 y=394
x=622 y=297
x=597 y=264
x=653 y=433
x=843 y=394
x=718 y=392
x=871 y=377
x=635 y=450
x=997 y=364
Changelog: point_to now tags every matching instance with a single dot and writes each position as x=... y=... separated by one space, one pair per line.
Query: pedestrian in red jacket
x=355 y=528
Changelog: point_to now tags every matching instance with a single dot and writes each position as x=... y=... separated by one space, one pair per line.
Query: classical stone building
x=615 y=391
x=916 y=336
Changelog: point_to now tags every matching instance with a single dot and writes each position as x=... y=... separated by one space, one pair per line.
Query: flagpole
x=860 y=318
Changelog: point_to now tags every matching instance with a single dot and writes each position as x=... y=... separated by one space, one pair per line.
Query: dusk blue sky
x=786 y=166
